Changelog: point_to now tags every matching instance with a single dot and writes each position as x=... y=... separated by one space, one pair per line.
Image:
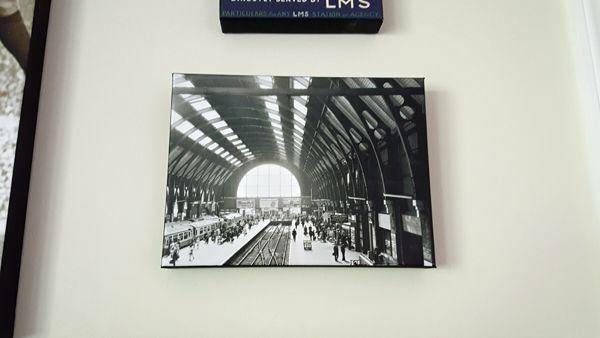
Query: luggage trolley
x=307 y=245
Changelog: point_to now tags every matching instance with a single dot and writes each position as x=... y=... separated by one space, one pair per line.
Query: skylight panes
x=200 y=105
x=196 y=135
x=236 y=142
x=180 y=81
x=175 y=117
x=299 y=85
x=206 y=140
x=272 y=106
x=232 y=137
x=300 y=119
x=212 y=146
x=226 y=131
x=276 y=125
x=298 y=129
x=211 y=115
x=220 y=150
x=300 y=107
x=184 y=127
x=220 y=124
x=274 y=117
x=265 y=82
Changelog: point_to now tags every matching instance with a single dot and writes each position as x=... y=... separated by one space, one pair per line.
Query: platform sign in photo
x=269 y=203
x=291 y=202
x=245 y=203
x=260 y=147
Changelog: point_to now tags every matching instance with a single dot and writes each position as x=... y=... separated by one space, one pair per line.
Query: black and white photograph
x=297 y=171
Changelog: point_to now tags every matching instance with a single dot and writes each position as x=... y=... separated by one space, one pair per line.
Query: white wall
x=516 y=235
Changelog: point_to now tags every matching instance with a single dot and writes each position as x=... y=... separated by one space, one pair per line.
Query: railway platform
x=213 y=254
x=321 y=253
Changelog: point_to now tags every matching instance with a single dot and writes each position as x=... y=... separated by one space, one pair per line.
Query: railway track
x=269 y=248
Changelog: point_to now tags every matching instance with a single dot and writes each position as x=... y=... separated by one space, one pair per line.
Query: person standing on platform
x=294 y=233
x=191 y=257
x=174 y=253
x=336 y=252
x=343 y=251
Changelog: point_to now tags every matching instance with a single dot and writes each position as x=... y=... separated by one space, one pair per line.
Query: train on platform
x=187 y=232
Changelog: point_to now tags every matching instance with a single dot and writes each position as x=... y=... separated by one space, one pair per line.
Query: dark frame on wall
x=15 y=226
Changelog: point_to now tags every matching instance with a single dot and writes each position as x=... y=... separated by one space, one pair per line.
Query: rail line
x=269 y=248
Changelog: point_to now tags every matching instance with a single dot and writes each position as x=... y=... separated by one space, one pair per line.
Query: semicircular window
x=269 y=180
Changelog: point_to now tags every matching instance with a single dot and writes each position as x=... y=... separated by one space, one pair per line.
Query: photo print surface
x=297 y=171
x=15 y=27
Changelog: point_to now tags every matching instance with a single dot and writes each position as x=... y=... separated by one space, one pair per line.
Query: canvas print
x=297 y=171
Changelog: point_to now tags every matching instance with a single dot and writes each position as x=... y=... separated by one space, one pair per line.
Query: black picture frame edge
x=17 y=209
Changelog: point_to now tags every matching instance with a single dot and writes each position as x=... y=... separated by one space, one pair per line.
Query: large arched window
x=269 y=180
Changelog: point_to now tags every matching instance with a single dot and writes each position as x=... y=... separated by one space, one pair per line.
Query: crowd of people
x=313 y=229
x=323 y=231
x=227 y=232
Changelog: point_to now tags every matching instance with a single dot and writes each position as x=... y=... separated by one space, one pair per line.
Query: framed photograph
x=297 y=171
x=23 y=26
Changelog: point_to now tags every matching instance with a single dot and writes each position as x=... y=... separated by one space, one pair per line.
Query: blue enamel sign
x=297 y=16
x=342 y=9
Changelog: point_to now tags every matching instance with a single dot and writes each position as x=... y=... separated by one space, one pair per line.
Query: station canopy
x=222 y=123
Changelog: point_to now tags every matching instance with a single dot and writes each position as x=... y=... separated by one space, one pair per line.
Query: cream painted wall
x=516 y=235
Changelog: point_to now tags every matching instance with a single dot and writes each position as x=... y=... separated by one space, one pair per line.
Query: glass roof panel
x=265 y=82
x=175 y=117
x=211 y=115
x=201 y=105
x=272 y=106
x=274 y=117
x=184 y=127
x=226 y=131
x=179 y=81
x=212 y=146
x=220 y=124
x=204 y=141
x=219 y=150
x=300 y=107
x=236 y=142
x=196 y=135
x=299 y=85
x=300 y=119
